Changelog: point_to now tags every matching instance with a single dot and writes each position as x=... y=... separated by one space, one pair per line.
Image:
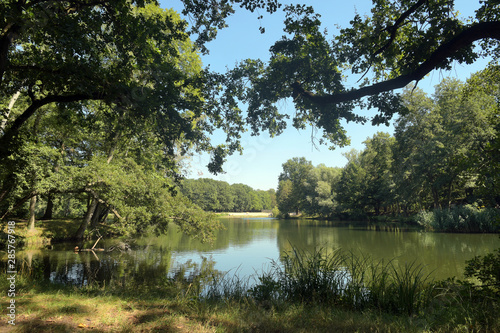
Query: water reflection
x=249 y=245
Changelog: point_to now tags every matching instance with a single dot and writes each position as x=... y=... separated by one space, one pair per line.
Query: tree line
x=445 y=152
x=219 y=196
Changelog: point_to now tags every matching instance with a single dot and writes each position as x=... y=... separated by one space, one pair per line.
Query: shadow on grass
x=39 y=325
x=106 y=315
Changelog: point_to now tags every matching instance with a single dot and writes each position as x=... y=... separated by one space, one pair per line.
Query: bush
x=487 y=270
x=425 y=219
x=465 y=218
x=276 y=212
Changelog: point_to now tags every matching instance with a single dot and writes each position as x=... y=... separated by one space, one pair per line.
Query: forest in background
x=444 y=154
x=219 y=196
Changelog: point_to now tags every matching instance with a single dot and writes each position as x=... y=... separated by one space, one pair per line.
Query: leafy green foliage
x=444 y=153
x=399 y=43
x=297 y=175
x=466 y=218
x=284 y=198
x=345 y=279
x=103 y=114
x=366 y=182
x=218 y=196
x=487 y=270
x=439 y=140
x=75 y=53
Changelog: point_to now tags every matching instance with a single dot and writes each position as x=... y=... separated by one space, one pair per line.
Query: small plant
x=276 y=212
x=487 y=270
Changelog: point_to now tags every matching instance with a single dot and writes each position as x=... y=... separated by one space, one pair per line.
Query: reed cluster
x=467 y=218
x=338 y=278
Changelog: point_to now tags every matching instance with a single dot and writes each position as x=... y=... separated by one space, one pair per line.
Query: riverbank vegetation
x=308 y=291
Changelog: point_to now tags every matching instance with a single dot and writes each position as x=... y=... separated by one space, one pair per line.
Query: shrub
x=425 y=219
x=465 y=218
x=276 y=212
x=487 y=270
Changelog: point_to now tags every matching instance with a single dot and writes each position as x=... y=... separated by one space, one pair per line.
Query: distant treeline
x=218 y=196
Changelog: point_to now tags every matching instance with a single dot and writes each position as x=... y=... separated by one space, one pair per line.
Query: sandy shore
x=245 y=214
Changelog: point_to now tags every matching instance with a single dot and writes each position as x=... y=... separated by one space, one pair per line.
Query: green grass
x=68 y=310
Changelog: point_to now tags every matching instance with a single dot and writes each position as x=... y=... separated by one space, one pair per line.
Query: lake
x=248 y=245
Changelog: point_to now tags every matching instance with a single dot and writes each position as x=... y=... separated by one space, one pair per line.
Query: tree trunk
x=9 y=109
x=97 y=214
x=50 y=208
x=449 y=194
x=435 y=196
x=31 y=221
x=86 y=220
x=377 y=208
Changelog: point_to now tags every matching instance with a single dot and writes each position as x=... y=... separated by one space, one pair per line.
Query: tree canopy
x=219 y=196
x=399 y=43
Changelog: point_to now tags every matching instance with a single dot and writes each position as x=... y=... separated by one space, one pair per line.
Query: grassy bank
x=47 y=231
x=70 y=311
x=308 y=292
x=44 y=233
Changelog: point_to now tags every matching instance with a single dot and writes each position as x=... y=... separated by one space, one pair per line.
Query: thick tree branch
x=16 y=125
x=12 y=130
x=465 y=38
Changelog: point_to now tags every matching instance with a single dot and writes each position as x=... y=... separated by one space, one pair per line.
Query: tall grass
x=345 y=279
x=465 y=218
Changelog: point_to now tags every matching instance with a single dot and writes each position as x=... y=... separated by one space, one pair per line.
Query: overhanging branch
x=394 y=28
x=47 y=100
x=12 y=130
x=465 y=38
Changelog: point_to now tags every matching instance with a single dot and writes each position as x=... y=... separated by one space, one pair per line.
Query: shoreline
x=243 y=214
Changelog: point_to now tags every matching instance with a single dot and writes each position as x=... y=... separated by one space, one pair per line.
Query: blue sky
x=262 y=159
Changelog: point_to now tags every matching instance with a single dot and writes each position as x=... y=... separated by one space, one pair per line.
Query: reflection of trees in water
x=151 y=260
x=444 y=254
x=236 y=232
x=141 y=266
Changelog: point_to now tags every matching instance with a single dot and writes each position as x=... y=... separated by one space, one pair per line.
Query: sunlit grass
x=70 y=312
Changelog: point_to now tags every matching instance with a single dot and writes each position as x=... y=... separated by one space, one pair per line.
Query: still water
x=249 y=245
